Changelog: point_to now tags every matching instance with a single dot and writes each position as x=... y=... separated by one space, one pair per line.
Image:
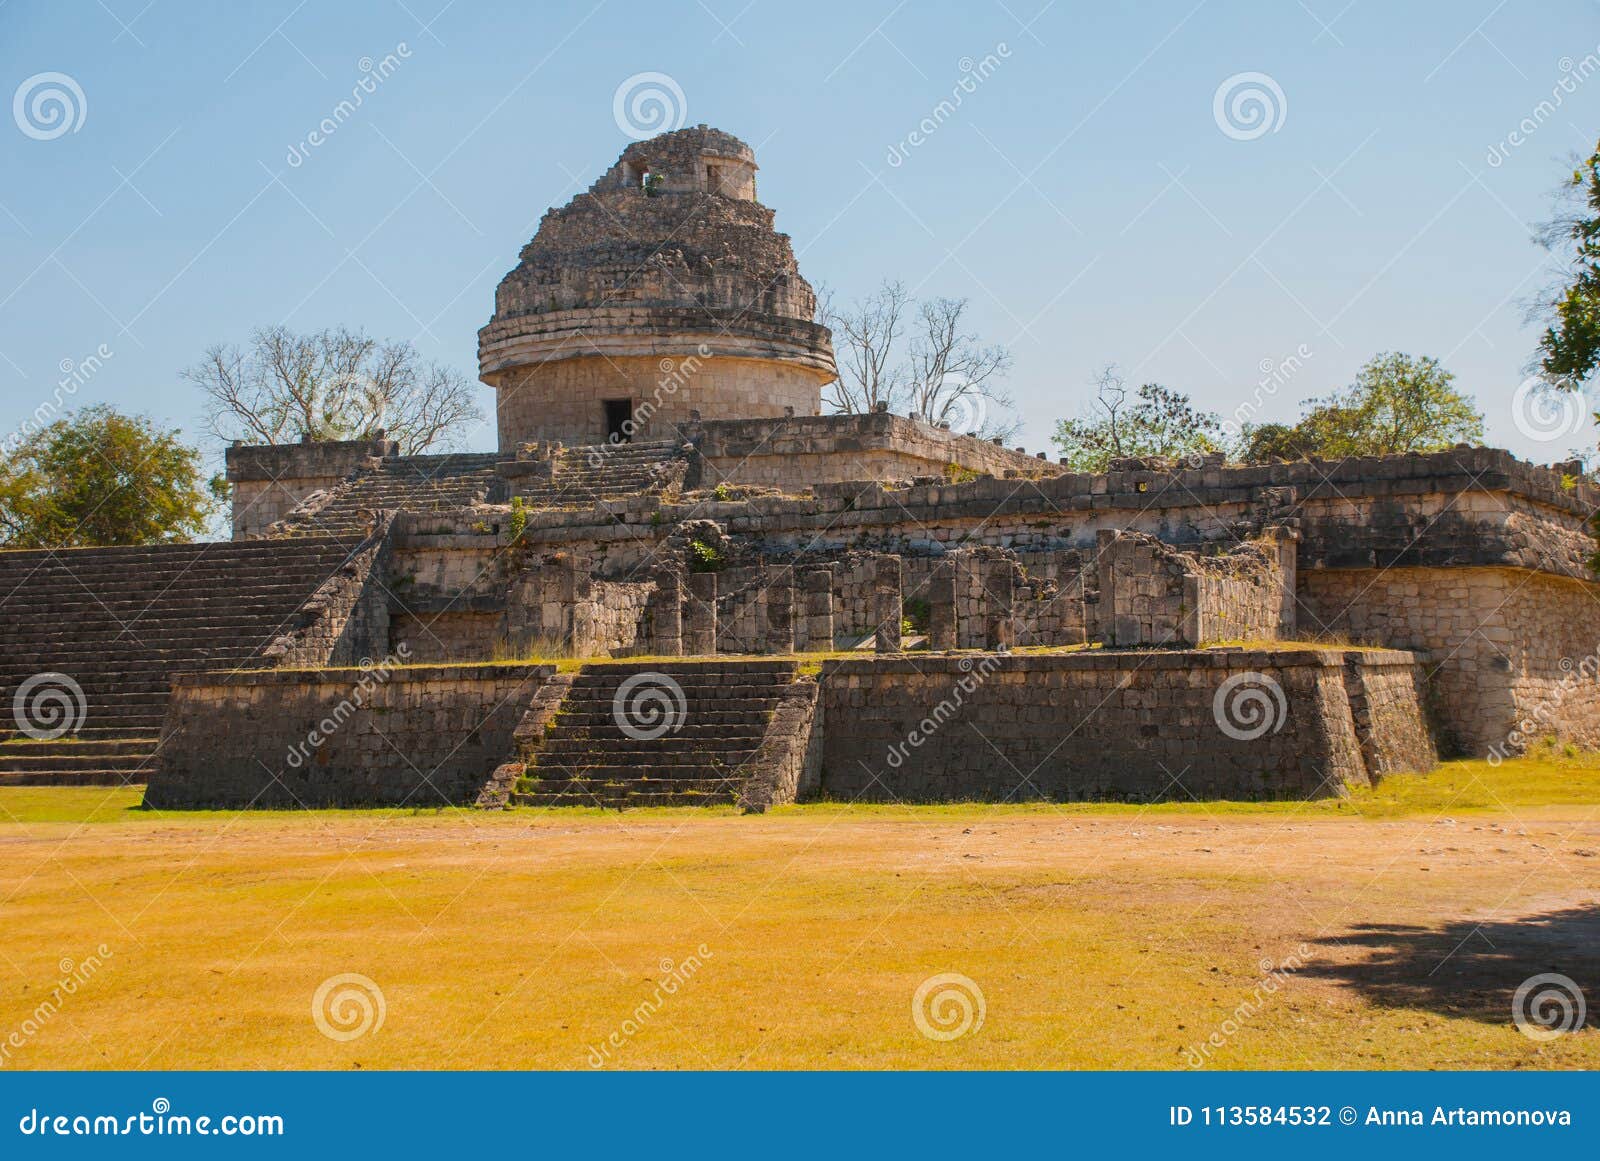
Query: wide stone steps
x=88 y=760
x=600 y=751
x=583 y=476
x=120 y=623
x=410 y=483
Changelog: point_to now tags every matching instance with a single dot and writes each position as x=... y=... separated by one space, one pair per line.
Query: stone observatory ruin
x=676 y=582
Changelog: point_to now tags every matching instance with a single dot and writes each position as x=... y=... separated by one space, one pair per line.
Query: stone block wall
x=554 y=603
x=1143 y=597
x=1101 y=726
x=795 y=453
x=1389 y=706
x=1151 y=593
x=1506 y=648
x=741 y=610
x=563 y=399
x=269 y=482
x=443 y=637
x=424 y=736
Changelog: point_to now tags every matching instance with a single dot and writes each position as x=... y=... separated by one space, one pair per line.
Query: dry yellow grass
x=1099 y=936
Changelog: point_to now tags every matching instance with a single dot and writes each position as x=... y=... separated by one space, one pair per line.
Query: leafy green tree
x=1152 y=421
x=97 y=477
x=1396 y=404
x=1261 y=443
x=1569 y=348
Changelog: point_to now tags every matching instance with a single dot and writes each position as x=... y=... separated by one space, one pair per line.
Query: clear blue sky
x=1083 y=196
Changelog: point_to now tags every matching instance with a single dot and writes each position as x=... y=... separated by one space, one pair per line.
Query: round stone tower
x=662 y=291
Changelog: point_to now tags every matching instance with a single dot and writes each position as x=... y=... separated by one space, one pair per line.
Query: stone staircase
x=719 y=714
x=436 y=483
x=582 y=476
x=118 y=623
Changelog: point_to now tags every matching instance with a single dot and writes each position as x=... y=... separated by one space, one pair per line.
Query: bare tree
x=865 y=337
x=917 y=357
x=953 y=379
x=334 y=384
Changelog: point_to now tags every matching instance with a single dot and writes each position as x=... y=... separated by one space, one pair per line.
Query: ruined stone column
x=1105 y=567
x=968 y=582
x=887 y=602
x=818 y=633
x=666 y=617
x=700 y=615
x=942 y=606
x=1000 y=594
x=1288 y=539
x=779 y=585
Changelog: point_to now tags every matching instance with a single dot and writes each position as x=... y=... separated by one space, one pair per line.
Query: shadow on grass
x=1469 y=969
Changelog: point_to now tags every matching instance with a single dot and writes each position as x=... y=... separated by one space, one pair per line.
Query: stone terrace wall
x=440 y=636
x=1388 y=703
x=1096 y=726
x=1474 y=507
x=1506 y=647
x=426 y=736
x=795 y=453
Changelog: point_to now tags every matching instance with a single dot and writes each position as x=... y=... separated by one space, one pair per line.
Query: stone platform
x=1137 y=726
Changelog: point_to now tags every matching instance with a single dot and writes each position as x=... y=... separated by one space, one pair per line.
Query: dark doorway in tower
x=619 y=420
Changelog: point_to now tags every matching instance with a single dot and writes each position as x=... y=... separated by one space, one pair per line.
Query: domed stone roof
x=673 y=226
x=660 y=295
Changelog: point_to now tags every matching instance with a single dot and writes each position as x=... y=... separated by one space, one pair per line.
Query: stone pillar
x=1195 y=628
x=1000 y=595
x=887 y=602
x=968 y=581
x=942 y=605
x=779 y=585
x=1288 y=539
x=1105 y=565
x=818 y=586
x=700 y=615
x=666 y=616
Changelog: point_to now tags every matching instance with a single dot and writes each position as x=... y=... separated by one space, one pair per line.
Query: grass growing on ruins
x=1394 y=928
